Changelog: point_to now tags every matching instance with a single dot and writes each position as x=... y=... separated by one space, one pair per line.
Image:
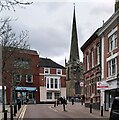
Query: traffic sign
x=81 y=84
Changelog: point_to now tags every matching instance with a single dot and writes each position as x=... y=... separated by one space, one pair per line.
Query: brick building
x=109 y=36
x=22 y=75
x=92 y=73
x=52 y=80
x=101 y=62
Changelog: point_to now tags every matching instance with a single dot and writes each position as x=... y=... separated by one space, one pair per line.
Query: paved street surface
x=8 y=113
x=72 y=112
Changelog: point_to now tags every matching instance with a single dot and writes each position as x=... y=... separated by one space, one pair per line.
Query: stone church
x=74 y=68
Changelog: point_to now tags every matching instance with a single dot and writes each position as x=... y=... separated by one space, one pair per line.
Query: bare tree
x=11 y=46
x=10 y=4
x=8 y=40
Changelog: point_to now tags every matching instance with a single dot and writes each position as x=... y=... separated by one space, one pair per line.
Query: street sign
x=81 y=84
x=102 y=85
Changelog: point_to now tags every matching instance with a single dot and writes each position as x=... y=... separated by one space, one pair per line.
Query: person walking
x=64 y=102
x=72 y=100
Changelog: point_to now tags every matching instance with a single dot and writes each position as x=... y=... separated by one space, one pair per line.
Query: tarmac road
x=73 y=111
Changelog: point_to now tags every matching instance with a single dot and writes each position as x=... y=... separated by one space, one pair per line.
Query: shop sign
x=102 y=85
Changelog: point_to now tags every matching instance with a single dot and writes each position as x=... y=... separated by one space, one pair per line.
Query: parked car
x=114 y=114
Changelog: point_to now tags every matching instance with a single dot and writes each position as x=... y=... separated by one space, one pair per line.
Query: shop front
x=26 y=94
x=111 y=93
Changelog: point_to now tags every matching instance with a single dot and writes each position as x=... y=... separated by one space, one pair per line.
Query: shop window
x=57 y=95
x=49 y=95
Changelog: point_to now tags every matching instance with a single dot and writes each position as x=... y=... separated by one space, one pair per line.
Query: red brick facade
x=92 y=73
x=33 y=60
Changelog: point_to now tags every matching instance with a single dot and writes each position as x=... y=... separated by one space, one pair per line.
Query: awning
x=26 y=88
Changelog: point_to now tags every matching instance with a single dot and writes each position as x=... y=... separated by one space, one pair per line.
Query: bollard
x=5 y=115
x=82 y=102
x=101 y=110
x=11 y=112
x=90 y=107
x=18 y=106
x=15 y=109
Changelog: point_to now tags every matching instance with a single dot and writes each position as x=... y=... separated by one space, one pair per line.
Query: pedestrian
x=57 y=101
x=54 y=103
x=83 y=99
x=27 y=99
x=64 y=103
x=72 y=100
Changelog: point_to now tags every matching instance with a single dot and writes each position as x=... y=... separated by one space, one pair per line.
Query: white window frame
x=49 y=97
x=97 y=54
x=92 y=57
x=47 y=69
x=59 y=71
x=110 y=67
x=53 y=84
x=56 y=95
x=87 y=62
x=27 y=81
x=47 y=83
x=112 y=41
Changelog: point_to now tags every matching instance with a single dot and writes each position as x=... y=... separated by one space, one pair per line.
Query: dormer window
x=59 y=72
x=46 y=70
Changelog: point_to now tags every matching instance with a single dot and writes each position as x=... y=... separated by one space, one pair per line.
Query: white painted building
x=52 y=81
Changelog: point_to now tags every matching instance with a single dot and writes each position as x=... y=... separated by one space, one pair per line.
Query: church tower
x=74 y=51
x=74 y=64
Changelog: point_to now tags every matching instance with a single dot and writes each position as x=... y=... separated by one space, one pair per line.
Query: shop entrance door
x=31 y=97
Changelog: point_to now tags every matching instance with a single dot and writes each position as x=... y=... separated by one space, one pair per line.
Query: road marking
x=22 y=113
x=53 y=109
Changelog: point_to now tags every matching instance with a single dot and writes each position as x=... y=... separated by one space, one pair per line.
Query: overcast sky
x=50 y=24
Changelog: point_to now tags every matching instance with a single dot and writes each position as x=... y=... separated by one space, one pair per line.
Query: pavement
x=77 y=107
x=8 y=112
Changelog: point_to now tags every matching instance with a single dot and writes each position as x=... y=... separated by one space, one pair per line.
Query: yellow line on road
x=22 y=113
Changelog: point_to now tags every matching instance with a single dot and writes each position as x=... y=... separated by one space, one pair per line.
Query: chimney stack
x=116 y=5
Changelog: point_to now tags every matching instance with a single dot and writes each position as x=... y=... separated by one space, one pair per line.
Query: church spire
x=74 y=51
